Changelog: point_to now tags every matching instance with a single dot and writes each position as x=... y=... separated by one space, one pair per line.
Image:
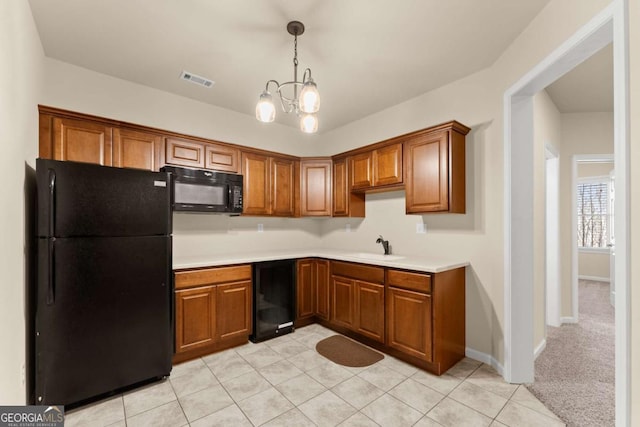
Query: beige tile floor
x=285 y=382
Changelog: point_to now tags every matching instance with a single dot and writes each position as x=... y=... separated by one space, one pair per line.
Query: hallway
x=574 y=375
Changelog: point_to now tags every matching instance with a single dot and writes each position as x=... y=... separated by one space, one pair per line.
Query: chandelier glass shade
x=299 y=97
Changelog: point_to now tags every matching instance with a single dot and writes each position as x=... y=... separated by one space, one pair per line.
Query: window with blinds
x=593 y=214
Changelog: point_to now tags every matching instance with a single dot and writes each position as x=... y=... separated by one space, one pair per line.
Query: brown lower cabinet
x=357 y=299
x=213 y=309
x=414 y=316
x=417 y=317
x=409 y=322
x=312 y=290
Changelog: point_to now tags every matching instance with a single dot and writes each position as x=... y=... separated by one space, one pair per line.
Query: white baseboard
x=485 y=358
x=539 y=349
x=568 y=320
x=594 y=278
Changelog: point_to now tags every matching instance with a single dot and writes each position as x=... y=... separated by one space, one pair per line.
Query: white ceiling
x=366 y=55
x=586 y=88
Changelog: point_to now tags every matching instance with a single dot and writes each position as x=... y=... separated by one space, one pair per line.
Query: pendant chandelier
x=304 y=104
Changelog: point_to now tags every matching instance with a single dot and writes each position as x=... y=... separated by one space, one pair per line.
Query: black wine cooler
x=274 y=299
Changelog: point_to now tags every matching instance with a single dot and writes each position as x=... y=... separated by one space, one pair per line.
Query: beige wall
x=20 y=82
x=478 y=235
x=79 y=89
x=593 y=265
x=546 y=131
x=586 y=170
x=582 y=133
x=634 y=191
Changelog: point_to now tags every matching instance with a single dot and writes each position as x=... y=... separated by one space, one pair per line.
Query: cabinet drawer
x=211 y=276
x=358 y=271
x=413 y=281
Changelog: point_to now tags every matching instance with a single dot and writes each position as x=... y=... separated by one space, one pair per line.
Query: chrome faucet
x=385 y=245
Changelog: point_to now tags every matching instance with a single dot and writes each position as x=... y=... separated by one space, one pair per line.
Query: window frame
x=603 y=179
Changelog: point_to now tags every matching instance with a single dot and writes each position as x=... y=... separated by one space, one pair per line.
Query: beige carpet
x=345 y=352
x=574 y=375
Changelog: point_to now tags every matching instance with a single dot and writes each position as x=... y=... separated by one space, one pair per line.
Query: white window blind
x=593 y=214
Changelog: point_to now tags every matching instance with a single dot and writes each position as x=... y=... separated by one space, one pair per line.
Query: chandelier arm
x=266 y=87
x=304 y=76
x=287 y=104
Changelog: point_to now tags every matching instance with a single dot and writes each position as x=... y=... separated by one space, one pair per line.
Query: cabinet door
x=138 y=150
x=340 y=188
x=345 y=203
x=427 y=173
x=409 y=322
x=370 y=310
x=82 y=141
x=361 y=170
x=195 y=318
x=222 y=158
x=315 y=188
x=282 y=187
x=234 y=310
x=342 y=302
x=387 y=165
x=321 y=291
x=305 y=288
x=255 y=168
x=181 y=152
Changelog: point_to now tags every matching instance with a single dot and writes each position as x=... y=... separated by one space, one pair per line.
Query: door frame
x=575 y=161
x=518 y=195
x=553 y=295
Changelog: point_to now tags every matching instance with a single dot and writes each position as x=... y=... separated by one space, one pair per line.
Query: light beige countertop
x=405 y=262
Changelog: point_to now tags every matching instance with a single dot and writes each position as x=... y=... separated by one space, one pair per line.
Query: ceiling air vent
x=194 y=78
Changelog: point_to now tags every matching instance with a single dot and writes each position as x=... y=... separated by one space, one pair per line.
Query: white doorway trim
x=577 y=159
x=552 y=238
x=518 y=195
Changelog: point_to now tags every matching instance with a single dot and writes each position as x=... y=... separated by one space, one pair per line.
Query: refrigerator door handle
x=51 y=272
x=52 y=200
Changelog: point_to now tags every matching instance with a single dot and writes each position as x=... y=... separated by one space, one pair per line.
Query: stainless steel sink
x=378 y=257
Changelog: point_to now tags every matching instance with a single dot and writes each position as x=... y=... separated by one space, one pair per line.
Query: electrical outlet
x=260 y=228
x=347 y=228
x=421 y=228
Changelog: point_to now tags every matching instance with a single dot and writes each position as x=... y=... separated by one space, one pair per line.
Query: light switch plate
x=421 y=228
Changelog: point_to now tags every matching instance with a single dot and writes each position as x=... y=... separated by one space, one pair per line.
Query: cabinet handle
x=52 y=202
x=51 y=272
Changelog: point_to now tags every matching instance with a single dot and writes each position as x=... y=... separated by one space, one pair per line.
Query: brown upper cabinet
x=283 y=186
x=222 y=158
x=429 y=164
x=435 y=170
x=135 y=149
x=86 y=141
x=198 y=154
x=361 y=166
x=182 y=152
x=387 y=165
x=315 y=187
x=345 y=203
x=377 y=168
x=269 y=185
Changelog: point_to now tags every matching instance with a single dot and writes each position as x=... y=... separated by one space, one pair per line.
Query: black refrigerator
x=104 y=293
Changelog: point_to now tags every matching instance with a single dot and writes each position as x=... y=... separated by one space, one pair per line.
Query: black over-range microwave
x=196 y=190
